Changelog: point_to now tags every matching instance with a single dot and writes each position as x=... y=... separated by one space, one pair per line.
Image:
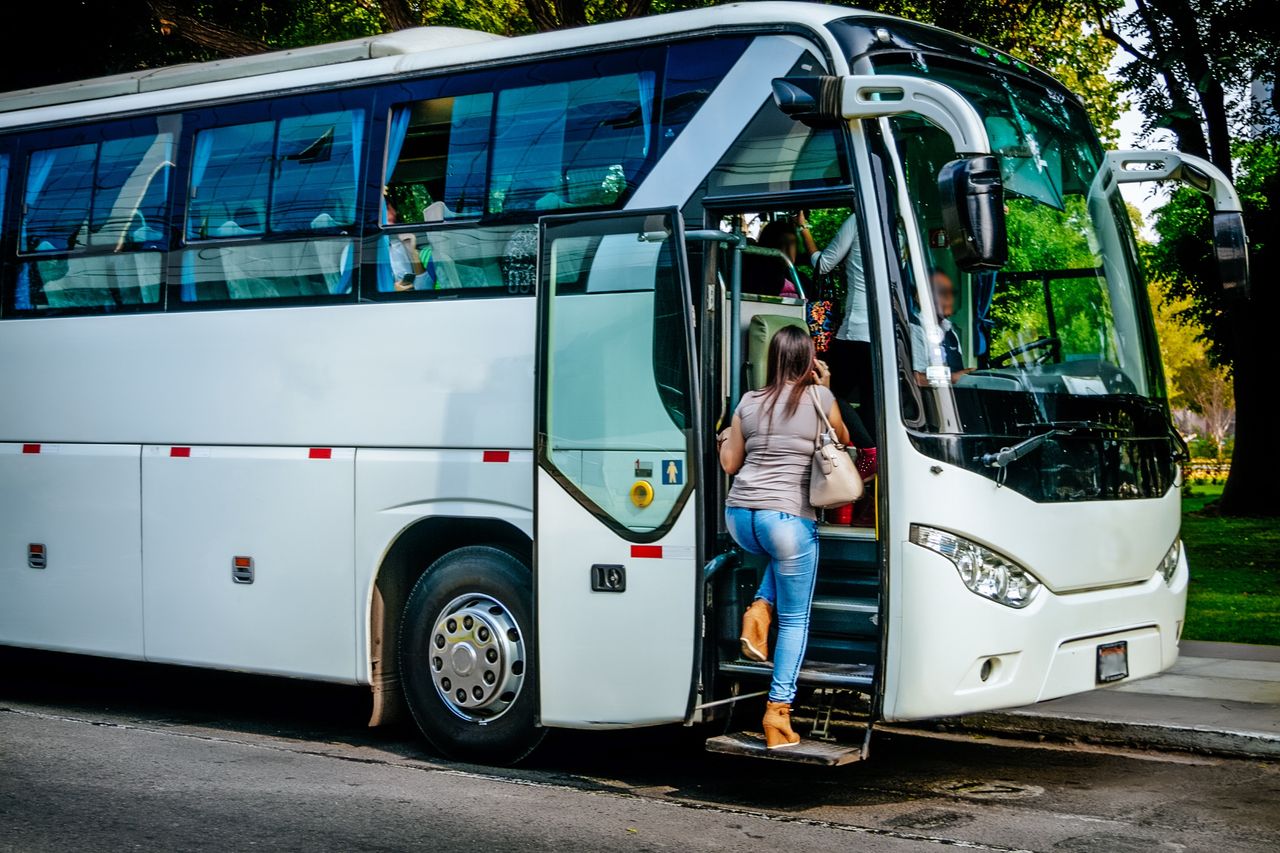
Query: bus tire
x=467 y=657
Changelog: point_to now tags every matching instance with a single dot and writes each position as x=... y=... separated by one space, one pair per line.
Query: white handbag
x=834 y=480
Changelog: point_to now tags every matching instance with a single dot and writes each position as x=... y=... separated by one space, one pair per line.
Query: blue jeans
x=791 y=543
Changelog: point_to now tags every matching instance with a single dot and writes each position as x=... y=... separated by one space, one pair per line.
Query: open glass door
x=616 y=562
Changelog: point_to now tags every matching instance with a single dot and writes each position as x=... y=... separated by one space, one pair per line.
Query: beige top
x=775 y=473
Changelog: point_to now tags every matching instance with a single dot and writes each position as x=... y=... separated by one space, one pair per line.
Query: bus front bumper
x=959 y=653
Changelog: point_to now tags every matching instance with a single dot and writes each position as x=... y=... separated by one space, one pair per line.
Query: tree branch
x=398 y=14
x=218 y=39
x=543 y=14
x=1109 y=33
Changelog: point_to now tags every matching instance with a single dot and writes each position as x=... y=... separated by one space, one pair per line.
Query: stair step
x=853 y=675
x=805 y=752
x=845 y=616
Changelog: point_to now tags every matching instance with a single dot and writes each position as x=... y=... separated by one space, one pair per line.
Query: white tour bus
x=397 y=362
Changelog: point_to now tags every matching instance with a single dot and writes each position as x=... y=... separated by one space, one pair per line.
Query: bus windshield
x=1062 y=333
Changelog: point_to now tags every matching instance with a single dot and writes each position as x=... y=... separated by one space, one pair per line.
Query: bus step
x=807 y=751
x=856 y=676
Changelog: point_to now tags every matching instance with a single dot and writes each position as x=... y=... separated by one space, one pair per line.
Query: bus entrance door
x=616 y=563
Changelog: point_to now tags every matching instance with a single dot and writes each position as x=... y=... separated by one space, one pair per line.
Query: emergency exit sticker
x=672 y=472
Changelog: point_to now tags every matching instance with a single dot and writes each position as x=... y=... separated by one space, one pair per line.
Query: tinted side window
x=93 y=228
x=317 y=162
x=581 y=143
x=694 y=69
x=437 y=153
x=59 y=190
x=230 y=178
x=274 y=204
x=295 y=174
x=777 y=154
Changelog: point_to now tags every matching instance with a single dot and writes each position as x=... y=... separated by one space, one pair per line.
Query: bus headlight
x=1169 y=565
x=983 y=571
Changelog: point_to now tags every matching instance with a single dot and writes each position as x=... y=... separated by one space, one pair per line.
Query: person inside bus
x=944 y=301
x=780 y=234
x=768 y=449
x=850 y=352
x=402 y=253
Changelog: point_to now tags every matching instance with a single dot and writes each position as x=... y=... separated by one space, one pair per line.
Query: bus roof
x=417 y=40
x=399 y=52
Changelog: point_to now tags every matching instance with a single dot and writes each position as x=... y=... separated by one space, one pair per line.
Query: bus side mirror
x=972 y=195
x=815 y=101
x=1231 y=246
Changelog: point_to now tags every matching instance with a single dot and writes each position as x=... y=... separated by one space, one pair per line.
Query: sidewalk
x=1222 y=698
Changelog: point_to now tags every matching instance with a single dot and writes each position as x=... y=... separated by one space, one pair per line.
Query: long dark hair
x=791 y=357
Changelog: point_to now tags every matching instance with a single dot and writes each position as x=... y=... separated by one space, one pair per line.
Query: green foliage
x=1042 y=239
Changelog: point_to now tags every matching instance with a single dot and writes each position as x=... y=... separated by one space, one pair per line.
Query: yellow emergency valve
x=642 y=493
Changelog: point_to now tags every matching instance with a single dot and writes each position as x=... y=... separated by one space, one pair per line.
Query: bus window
x=318 y=161
x=694 y=69
x=230 y=175
x=437 y=151
x=295 y=180
x=494 y=260
x=94 y=224
x=59 y=190
x=776 y=154
x=582 y=143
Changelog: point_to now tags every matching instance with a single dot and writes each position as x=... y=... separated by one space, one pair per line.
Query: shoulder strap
x=813 y=394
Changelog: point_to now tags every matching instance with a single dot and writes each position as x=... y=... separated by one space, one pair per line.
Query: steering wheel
x=1051 y=345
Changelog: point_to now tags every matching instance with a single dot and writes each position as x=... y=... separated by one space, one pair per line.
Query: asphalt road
x=98 y=755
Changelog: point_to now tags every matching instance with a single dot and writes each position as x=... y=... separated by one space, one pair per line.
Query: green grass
x=1235 y=574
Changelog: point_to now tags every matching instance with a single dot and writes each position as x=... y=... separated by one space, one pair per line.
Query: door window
x=617 y=405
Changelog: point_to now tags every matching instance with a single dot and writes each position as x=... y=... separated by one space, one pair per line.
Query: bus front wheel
x=466 y=656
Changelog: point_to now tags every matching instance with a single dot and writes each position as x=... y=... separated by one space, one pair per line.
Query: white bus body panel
x=413 y=374
x=605 y=659
x=1097 y=559
x=82 y=503
x=395 y=488
x=292 y=514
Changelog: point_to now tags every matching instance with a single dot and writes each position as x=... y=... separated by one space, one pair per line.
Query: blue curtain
x=386 y=275
x=984 y=290
x=396 y=133
x=199 y=162
x=357 y=145
x=38 y=170
x=188 y=293
x=646 y=79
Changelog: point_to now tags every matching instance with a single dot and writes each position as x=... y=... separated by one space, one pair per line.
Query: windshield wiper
x=1006 y=455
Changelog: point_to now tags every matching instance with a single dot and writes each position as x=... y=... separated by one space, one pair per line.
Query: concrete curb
x=1215 y=741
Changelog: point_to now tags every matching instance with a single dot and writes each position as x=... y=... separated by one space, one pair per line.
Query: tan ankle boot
x=777 y=726
x=755 y=630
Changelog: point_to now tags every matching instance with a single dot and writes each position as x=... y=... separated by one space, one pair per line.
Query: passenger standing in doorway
x=769 y=450
x=850 y=354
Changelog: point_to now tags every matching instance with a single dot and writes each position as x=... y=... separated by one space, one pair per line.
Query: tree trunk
x=220 y=40
x=1185 y=121
x=1213 y=103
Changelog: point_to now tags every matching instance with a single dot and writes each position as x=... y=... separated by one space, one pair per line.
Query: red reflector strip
x=35 y=549
x=497 y=456
x=242 y=562
x=30 y=448
x=647 y=551
x=179 y=452
x=320 y=453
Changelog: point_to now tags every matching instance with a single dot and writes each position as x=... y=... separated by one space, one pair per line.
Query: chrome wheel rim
x=477 y=657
